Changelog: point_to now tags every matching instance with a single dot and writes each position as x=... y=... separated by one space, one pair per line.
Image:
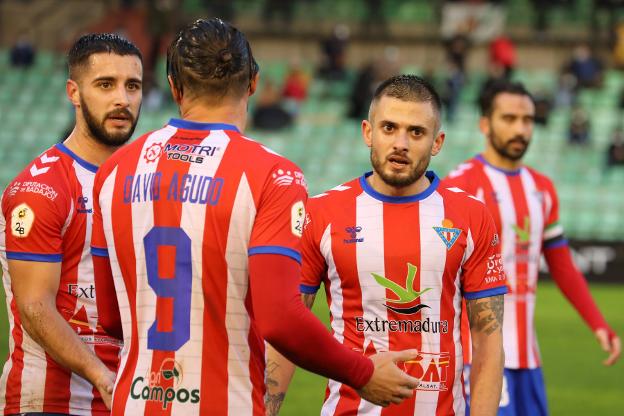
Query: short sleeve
x=482 y=273
x=36 y=214
x=313 y=266
x=280 y=216
x=553 y=230
x=458 y=178
x=98 y=239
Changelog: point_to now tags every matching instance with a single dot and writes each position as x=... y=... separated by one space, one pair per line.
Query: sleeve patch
x=297 y=218
x=22 y=219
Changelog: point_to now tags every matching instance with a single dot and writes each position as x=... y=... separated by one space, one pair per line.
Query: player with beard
x=526 y=211
x=60 y=359
x=397 y=253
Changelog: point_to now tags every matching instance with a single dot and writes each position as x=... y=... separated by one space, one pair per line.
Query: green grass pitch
x=577 y=382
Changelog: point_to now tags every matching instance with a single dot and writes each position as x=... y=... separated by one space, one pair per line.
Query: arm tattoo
x=308 y=299
x=486 y=314
x=272 y=402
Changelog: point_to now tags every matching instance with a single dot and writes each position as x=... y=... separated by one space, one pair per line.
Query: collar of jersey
x=88 y=166
x=508 y=172
x=433 y=178
x=196 y=125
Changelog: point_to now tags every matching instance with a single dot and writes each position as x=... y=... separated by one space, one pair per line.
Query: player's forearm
x=48 y=328
x=279 y=373
x=486 y=377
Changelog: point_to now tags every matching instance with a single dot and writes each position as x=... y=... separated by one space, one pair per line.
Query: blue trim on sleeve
x=284 y=251
x=433 y=178
x=88 y=166
x=308 y=290
x=508 y=172
x=195 y=125
x=559 y=242
x=501 y=290
x=100 y=252
x=46 y=258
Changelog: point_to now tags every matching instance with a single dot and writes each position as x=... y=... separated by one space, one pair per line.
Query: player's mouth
x=398 y=162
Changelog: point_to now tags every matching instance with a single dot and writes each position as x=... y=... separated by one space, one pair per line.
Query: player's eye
x=106 y=85
x=134 y=86
x=388 y=128
x=418 y=131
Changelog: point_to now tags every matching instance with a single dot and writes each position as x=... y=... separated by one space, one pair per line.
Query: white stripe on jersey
x=142 y=219
x=432 y=263
x=336 y=309
x=508 y=218
x=81 y=391
x=536 y=214
x=370 y=259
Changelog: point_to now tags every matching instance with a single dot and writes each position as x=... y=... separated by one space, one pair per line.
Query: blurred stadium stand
x=35 y=112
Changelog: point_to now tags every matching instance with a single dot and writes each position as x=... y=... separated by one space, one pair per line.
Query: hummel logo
x=353 y=232
x=35 y=171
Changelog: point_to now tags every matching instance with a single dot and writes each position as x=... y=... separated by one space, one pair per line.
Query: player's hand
x=105 y=382
x=389 y=384
x=610 y=343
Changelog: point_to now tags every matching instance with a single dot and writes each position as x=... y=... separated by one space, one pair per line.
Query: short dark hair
x=93 y=43
x=409 y=88
x=212 y=59
x=487 y=97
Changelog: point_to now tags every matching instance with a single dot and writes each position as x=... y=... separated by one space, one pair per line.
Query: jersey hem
x=41 y=257
x=99 y=252
x=284 y=251
x=308 y=290
x=501 y=290
x=18 y=410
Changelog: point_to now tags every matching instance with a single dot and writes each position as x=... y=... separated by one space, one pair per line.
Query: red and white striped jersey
x=47 y=217
x=525 y=208
x=395 y=270
x=178 y=212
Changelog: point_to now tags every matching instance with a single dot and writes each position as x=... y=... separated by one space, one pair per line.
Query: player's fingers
x=404 y=355
x=409 y=381
x=616 y=350
x=404 y=393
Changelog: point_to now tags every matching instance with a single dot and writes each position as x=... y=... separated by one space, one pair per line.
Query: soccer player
x=58 y=351
x=196 y=238
x=397 y=252
x=526 y=211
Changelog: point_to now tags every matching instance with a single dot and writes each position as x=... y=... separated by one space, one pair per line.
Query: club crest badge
x=447 y=233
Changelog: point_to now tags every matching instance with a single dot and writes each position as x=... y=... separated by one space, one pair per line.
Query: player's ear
x=72 y=91
x=367 y=132
x=253 y=84
x=175 y=93
x=438 y=141
x=484 y=125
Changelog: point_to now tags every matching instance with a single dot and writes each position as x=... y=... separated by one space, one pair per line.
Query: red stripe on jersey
x=167 y=213
x=522 y=268
x=394 y=216
x=57 y=386
x=14 y=380
x=122 y=239
x=346 y=255
x=215 y=348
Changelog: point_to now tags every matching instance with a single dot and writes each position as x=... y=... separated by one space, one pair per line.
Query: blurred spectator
x=295 y=89
x=269 y=113
x=503 y=53
x=587 y=69
x=543 y=106
x=618 y=45
x=334 y=54
x=22 y=53
x=374 y=23
x=496 y=73
x=615 y=151
x=579 y=126
x=451 y=89
x=566 y=91
x=457 y=48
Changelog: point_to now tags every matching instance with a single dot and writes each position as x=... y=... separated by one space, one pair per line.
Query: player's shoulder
x=539 y=178
x=260 y=154
x=46 y=176
x=336 y=197
x=457 y=197
x=467 y=168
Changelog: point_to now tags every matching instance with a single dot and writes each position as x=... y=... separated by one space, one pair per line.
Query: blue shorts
x=523 y=393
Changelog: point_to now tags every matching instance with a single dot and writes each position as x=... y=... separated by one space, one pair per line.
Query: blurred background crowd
x=321 y=60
